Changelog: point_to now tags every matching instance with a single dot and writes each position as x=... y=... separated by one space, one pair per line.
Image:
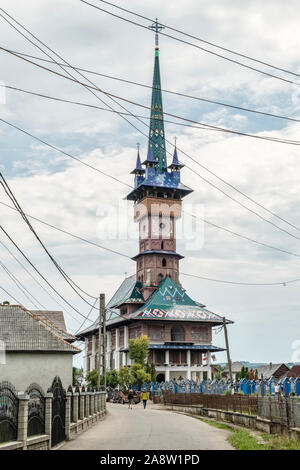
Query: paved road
x=140 y=429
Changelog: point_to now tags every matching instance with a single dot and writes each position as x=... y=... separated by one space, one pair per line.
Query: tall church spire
x=157 y=131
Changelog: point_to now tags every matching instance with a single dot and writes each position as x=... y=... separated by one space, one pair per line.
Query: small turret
x=138 y=171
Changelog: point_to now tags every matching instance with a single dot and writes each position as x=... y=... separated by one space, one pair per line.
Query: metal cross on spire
x=156 y=26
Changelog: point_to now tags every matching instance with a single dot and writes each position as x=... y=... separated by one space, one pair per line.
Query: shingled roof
x=22 y=330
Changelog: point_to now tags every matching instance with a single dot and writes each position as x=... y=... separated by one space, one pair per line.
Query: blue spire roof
x=150 y=158
x=138 y=166
x=175 y=162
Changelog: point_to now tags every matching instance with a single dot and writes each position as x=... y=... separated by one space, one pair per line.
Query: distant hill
x=254 y=365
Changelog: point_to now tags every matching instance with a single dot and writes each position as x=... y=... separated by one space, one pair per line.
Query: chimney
x=270 y=366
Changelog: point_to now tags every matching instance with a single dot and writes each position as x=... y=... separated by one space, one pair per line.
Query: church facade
x=153 y=302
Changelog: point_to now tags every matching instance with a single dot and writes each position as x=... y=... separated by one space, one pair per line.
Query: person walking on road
x=144 y=397
x=130 y=399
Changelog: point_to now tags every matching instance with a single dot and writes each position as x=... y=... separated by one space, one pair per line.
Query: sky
x=67 y=194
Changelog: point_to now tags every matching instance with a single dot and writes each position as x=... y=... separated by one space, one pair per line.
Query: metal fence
x=237 y=403
x=8 y=412
x=51 y=415
x=287 y=387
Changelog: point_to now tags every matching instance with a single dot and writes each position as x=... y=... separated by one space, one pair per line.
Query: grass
x=243 y=440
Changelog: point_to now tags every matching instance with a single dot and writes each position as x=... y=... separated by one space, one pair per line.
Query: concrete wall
x=23 y=368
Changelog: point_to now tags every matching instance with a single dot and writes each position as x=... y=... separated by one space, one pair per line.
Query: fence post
x=87 y=404
x=68 y=415
x=48 y=415
x=23 y=418
x=82 y=410
x=92 y=398
x=75 y=405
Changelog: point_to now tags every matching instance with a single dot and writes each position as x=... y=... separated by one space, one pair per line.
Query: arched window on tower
x=177 y=333
x=162 y=245
x=160 y=278
x=164 y=262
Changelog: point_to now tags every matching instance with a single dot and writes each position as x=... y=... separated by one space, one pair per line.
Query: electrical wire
x=184 y=95
x=194 y=45
x=39 y=273
x=122 y=254
x=22 y=288
x=279 y=217
x=67 y=278
x=34 y=279
x=202 y=40
x=116 y=97
x=196 y=172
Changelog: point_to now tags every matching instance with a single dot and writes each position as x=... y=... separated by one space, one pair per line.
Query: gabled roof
x=22 y=330
x=128 y=292
x=56 y=320
x=270 y=370
x=170 y=302
x=294 y=372
x=235 y=367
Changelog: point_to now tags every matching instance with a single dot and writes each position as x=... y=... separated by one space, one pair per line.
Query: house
x=37 y=347
x=153 y=302
x=272 y=370
x=294 y=372
x=235 y=368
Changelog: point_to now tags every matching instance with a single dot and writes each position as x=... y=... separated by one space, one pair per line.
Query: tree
x=138 y=349
x=76 y=374
x=150 y=369
x=138 y=374
x=112 y=378
x=92 y=378
x=124 y=377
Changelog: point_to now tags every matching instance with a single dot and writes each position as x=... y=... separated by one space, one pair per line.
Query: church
x=153 y=302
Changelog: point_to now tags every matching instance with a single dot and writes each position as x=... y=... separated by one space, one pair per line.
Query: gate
x=36 y=410
x=58 y=433
x=8 y=412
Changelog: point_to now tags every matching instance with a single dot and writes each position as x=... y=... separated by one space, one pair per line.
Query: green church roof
x=170 y=302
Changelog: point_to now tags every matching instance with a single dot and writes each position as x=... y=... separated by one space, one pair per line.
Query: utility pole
x=227 y=350
x=102 y=342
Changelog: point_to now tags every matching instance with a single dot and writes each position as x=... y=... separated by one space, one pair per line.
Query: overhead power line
x=242 y=283
x=177 y=93
x=39 y=273
x=33 y=278
x=126 y=256
x=67 y=278
x=21 y=287
x=113 y=98
x=249 y=67
x=116 y=97
x=203 y=40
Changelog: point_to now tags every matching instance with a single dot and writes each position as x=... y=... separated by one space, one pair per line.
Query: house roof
x=56 y=320
x=235 y=367
x=170 y=302
x=126 y=293
x=22 y=330
x=294 y=372
x=270 y=370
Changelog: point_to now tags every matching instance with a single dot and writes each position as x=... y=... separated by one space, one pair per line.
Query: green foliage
x=124 y=377
x=112 y=378
x=76 y=373
x=138 y=349
x=150 y=369
x=138 y=374
x=92 y=378
x=243 y=374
